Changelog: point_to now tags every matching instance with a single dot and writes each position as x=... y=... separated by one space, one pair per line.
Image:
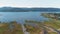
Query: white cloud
x=30 y=3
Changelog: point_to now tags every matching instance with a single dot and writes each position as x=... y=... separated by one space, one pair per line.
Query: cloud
x=30 y=3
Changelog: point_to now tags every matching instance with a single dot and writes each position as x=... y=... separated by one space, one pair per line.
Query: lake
x=20 y=17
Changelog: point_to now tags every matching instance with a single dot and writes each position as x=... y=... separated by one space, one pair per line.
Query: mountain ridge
x=15 y=9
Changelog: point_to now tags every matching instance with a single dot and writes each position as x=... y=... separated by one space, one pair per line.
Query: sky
x=30 y=3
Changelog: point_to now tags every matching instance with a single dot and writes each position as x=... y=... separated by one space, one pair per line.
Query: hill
x=14 y=9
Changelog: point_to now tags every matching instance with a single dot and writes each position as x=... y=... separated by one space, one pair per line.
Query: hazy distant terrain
x=14 y=9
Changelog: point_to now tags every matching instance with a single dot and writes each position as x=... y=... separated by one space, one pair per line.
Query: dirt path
x=24 y=29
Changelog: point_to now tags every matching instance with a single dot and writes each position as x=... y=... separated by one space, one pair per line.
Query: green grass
x=32 y=29
x=53 y=24
x=52 y=33
x=4 y=29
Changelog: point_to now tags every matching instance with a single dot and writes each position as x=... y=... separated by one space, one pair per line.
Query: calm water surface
x=20 y=16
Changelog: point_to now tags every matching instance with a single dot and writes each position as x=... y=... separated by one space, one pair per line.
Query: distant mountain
x=13 y=9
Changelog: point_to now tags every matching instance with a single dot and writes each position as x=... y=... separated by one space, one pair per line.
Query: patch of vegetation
x=10 y=28
x=52 y=33
x=32 y=29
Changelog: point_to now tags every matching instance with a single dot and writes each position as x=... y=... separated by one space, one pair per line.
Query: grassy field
x=55 y=24
x=5 y=28
x=40 y=25
x=32 y=29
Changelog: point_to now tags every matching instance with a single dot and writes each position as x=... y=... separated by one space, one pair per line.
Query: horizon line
x=28 y=7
